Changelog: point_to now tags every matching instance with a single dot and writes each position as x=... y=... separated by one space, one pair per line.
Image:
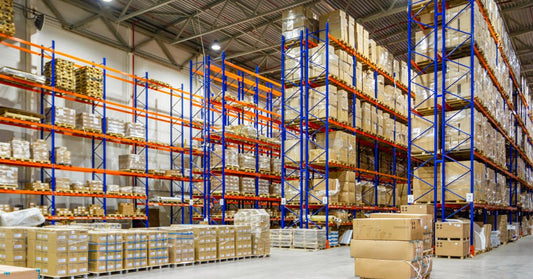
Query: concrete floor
x=509 y=261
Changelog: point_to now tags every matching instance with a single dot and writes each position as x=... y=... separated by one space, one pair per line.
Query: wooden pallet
x=8 y=187
x=132 y=171
x=20 y=114
x=115 y=135
x=452 y=257
x=65 y=125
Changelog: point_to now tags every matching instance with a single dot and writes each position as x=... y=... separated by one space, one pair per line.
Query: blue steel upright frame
x=99 y=147
x=140 y=102
x=177 y=160
x=319 y=175
x=293 y=132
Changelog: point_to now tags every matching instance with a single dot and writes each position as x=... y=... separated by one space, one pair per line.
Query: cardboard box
x=12 y=272
x=452 y=230
x=386 y=250
x=387 y=229
x=453 y=248
x=418 y=209
x=426 y=220
x=372 y=268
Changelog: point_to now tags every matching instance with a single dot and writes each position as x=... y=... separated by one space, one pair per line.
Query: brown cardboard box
x=418 y=209
x=454 y=248
x=426 y=220
x=387 y=229
x=371 y=268
x=11 y=272
x=455 y=230
x=54 y=269
x=386 y=250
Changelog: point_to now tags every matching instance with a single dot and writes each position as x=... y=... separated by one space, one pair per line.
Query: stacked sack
x=389 y=248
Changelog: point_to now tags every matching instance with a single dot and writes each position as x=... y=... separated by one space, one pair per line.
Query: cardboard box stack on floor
x=157 y=247
x=135 y=249
x=259 y=222
x=180 y=244
x=61 y=251
x=18 y=272
x=243 y=241
x=106 y=249
x=13 y=246
x=225 y=242
x=452 y=239
x=205 y=243
x=389 y=248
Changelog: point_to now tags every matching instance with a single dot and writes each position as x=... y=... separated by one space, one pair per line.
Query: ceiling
x=249 y=31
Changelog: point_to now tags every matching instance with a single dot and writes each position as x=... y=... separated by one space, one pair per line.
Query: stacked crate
x=7 y=23
x=309 y=239
x=259 y=222
x=89 y=82
x=39 y=151
x=64 y=76
x=452 y=239
x=243 y=241
x=389 y=248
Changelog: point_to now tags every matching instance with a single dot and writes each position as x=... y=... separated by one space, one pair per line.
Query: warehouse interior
x=385 y=139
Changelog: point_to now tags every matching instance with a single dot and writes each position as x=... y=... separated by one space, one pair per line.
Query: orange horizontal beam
x=50 y=193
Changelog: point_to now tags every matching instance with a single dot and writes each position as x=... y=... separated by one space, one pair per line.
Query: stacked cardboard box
x=389 y=248
x=131 y=162
x=8 y=176
x=61 y=251
x=263 y=186
x=63 y=74
x=180 y=244
x=89 y=122
x=19 y=272
x=247 y=185
x=105 y=251
x=7 y=22
x=5 y=150
x=38 y=186
x=64 y=117
x=135 y=249
x=62 y=156
x=96 y=210
x=452 y=239
x=342 y=148
x=13 y=246
x=39 y=151
x=282 y=238
x=126 y=209
x=114 y=127
x=243 y=241
x=259 y=222
x=205 y=243
x=20 y=149
x=309 y=239
x=225 y=242
x=296 y=20
x=89 y=81
x=157 y=247
x=135 y=130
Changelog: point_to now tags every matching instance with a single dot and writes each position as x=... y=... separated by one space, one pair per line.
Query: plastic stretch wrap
x=131 y=162
x=135 y=130
x=62 y=156
x=95 y=185
x=63 y=116
x=38 y=185
x=114 y=126
x=78 y=186
x=113 y=188
x=39 y=151
x=22 y=75
x=247 y=185
x=309 y=238
x=275 y=164
x=205 y=242
x=263 y=186
x=20 y=149
x=139 y=190
x=264 y=163
x=259 y=222
x=5 y=149
x=232 y=184
x=8 y=175
x=246 y=161
x=89 y=121
x=62 y=183
x=106 y=249
x=225 y=242
x=243 y=240
x=26 y=217
x=231 y=158
x=281 y=237
x=180 y=244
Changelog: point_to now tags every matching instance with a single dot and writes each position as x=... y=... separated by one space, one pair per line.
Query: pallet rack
x=438 y=122
x=139 y=110
x=301 y=126
x=225 y=88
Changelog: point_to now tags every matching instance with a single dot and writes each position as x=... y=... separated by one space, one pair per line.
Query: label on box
x=283 y=201
x=469 y=197
x=221 y=201
x=410 y=198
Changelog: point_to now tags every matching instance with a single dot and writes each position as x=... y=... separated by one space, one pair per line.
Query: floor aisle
x=509 y=261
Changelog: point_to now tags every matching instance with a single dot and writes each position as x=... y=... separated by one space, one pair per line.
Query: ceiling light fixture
x=215 y=46
x=107 y=0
